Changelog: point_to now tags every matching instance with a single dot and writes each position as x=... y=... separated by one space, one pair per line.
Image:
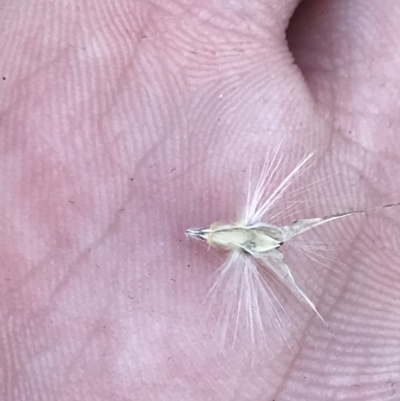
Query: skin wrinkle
x=169 y=94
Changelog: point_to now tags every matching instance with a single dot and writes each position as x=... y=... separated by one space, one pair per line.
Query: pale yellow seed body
x=250 y=239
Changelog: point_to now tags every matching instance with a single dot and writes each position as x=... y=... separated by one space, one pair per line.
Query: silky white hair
x=244 y=286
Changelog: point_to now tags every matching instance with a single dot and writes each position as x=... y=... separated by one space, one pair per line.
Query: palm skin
x=121 y=125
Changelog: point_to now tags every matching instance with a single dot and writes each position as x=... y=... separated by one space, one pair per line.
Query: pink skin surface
x=122 y=124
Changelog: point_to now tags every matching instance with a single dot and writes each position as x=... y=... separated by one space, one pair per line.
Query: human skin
x=123 y=124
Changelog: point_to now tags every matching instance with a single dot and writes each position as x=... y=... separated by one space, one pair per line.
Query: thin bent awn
x=254 y=248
